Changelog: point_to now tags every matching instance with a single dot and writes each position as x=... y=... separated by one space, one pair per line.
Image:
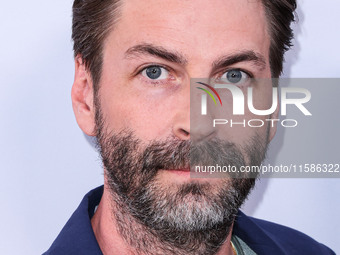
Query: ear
x=82 y=98
x=274 y=115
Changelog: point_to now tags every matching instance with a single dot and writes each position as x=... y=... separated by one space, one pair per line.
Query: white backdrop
x=47 y=164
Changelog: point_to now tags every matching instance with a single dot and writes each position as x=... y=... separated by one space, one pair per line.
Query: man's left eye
x=235 y=76
x=155 y=73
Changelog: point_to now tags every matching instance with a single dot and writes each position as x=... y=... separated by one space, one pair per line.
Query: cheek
x=241 y=128
x=150 y=119
x=264 y=97
x=147 y=114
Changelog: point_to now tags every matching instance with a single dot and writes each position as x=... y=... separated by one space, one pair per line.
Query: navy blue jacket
x=261 y=236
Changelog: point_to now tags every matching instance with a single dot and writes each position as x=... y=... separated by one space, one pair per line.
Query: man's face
x=144 y=116
x=155 y=49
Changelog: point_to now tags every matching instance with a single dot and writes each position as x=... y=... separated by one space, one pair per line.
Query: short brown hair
x=93 y=19
x=280 y=15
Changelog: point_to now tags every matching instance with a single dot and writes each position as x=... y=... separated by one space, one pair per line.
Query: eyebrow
x=157 y=51
x=175 y=57
x=242 y=56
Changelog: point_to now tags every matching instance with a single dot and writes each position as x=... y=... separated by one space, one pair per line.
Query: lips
x=181 y=169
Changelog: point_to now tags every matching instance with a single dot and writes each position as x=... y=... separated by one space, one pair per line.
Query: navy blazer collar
x=77 y=236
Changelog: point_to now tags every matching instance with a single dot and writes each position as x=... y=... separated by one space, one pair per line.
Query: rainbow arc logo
x=209 y=93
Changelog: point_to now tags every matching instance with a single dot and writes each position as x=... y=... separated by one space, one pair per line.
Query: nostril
x=184 y=132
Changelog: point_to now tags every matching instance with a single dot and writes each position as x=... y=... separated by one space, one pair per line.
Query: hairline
x=115 y=19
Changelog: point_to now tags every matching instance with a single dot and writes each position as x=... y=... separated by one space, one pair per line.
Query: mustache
x=169 y=154
x=123 y=151
x=179 y=154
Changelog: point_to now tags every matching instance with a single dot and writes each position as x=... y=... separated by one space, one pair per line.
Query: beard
x=192 y=217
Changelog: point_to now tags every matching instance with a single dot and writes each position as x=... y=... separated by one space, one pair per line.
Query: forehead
x=199 y=29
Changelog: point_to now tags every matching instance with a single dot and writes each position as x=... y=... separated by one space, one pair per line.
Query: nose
x=189 y=123
x=181 y=126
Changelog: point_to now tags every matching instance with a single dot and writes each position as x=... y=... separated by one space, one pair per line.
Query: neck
x=118 y=232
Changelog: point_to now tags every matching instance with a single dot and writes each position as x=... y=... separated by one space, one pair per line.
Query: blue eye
x=235 y=76
x=155 y=73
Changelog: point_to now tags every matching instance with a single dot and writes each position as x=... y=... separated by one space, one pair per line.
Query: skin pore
x=183 y=39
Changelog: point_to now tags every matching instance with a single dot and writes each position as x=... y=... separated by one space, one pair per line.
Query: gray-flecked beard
x=189 y=218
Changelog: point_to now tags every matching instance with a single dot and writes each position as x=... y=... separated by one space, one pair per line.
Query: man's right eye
x=155 y=73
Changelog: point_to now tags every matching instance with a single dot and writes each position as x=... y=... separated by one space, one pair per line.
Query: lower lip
x=183 y=172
